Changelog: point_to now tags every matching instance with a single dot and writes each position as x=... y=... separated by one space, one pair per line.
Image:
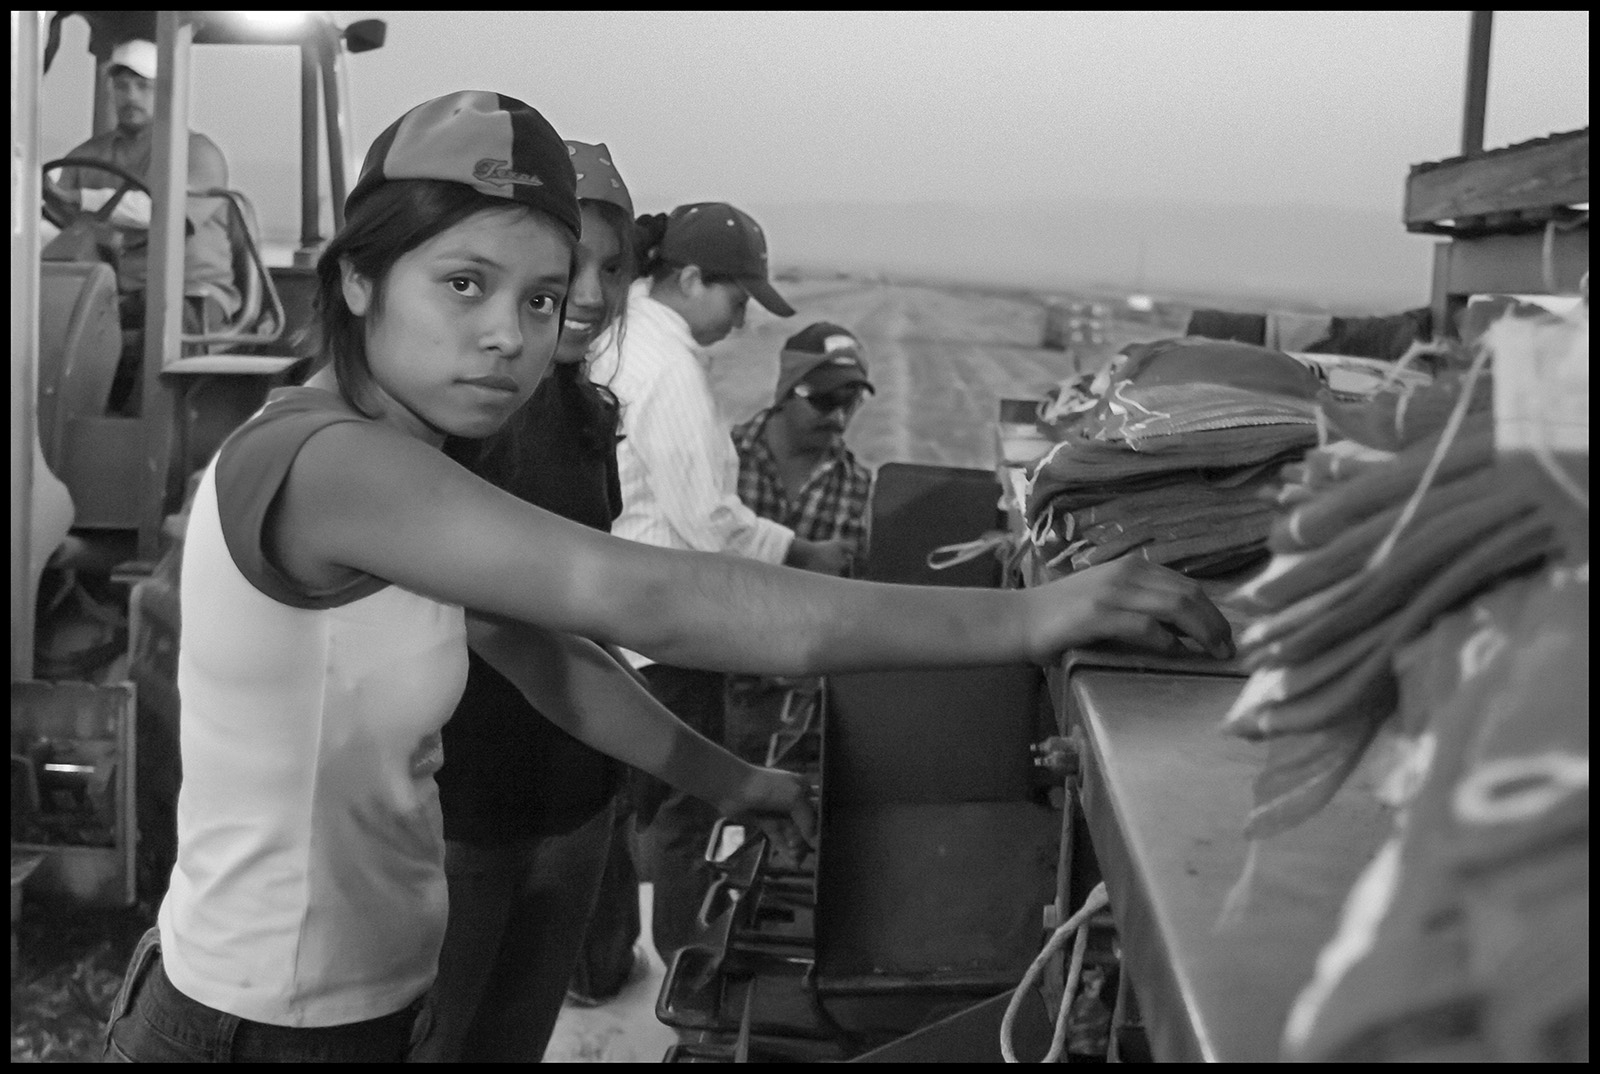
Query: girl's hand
x=780 y=803
x=1128 y=600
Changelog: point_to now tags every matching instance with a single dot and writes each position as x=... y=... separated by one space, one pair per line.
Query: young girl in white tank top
x=331 y=551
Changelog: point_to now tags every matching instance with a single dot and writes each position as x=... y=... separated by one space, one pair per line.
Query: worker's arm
x=207 y=170
x=581 y=688
x=132 y=211
x=364 y=497
x=675 y=434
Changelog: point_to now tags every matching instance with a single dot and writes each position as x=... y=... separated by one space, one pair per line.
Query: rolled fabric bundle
x=1356 y=691
x=1347 y=503
x=1347 y=552
x=1363 y=692
x=1392 y=585
x=1302 y=773
x=1276 y=684
x=1296 y=615
x=1287 y=496
x=1219 y=564
x=1247 y=597
x=1402 y=414
x=1340 y=461
x=1426 y=549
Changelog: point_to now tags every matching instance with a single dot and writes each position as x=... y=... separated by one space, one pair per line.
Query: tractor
x=98 y=491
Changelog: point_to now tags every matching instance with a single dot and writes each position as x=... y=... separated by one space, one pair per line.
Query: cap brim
x=763 y=292
x=825 y=379
x=131 y=69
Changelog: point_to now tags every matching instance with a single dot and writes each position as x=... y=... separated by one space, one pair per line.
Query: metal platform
x=1165 y=795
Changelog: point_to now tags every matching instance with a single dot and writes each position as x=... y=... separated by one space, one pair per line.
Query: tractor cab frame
x=93 y=490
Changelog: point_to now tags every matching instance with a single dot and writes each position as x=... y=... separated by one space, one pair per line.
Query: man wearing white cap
x=207 y=264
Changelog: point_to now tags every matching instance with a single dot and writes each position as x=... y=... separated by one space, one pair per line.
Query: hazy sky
x=757 y=108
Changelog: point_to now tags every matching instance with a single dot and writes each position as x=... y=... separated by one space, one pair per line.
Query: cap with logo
x=137 y=55
x=598 y=178
x=495 y=144
x=720 y=239
x=823 y=355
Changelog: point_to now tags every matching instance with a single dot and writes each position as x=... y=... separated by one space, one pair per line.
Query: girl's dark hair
x=596 y=411
x=392 y=220
x=648 y=231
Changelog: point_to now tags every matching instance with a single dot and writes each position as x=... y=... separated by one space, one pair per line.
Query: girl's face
x=599 y=280
x=468 y=323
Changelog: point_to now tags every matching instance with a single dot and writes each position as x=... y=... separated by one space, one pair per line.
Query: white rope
x=1096 y=901
x=952 y=555
x=1038 y=531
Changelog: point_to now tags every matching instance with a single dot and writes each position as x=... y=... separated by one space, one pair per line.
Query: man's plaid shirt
x=832 y=504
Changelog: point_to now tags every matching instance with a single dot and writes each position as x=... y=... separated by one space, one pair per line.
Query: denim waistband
x=207 y=1026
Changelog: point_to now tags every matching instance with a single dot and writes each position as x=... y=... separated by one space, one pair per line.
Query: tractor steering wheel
x=62 y=211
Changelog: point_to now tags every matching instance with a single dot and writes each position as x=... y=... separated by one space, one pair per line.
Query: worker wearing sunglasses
x=794 y=467
x=845 y=399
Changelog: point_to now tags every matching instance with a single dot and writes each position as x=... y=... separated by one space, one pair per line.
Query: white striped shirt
x=677 y=464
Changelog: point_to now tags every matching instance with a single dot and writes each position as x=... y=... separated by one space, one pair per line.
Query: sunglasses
x=846 y=398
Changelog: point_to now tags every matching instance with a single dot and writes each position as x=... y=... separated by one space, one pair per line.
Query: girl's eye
x=544 y=303
x=461 y=285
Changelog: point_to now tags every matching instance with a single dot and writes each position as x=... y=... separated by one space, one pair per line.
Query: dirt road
x=940 y=357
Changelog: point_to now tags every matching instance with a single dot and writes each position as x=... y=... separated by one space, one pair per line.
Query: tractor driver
x=210 y=294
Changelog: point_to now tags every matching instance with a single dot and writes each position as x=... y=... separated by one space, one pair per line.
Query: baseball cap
x=137 y=55
x=495 y=144
x=825 y=356
x=598 y=178
x=720 y=239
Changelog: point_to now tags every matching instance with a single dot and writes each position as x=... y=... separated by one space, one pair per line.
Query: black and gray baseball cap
x=718 y=238
x=492 y=143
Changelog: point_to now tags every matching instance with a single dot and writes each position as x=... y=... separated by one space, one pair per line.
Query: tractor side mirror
x=365 y=35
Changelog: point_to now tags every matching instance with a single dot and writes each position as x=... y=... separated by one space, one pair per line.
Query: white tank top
x=309 y=888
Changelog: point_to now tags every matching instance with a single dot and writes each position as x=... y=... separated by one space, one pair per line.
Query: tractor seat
x=259 y=319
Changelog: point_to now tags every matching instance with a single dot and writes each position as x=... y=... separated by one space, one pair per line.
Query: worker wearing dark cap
x=700 y=266
x=794 y=467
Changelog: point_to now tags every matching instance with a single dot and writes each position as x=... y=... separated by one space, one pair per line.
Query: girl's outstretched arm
x=584 y=691
x=367 y=498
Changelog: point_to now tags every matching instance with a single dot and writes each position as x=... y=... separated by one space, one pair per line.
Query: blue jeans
x=517 y=917
x=152 y=1022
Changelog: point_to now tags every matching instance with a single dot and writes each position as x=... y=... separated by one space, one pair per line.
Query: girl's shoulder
x=299 y=405
x=253 y=470
x=271 y=439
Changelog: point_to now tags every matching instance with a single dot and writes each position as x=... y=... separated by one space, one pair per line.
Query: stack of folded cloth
x=1380 y=534
x=1172 y=462
x=1466 y=938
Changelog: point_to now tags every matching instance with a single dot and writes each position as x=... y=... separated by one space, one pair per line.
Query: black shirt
x=510 y=774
